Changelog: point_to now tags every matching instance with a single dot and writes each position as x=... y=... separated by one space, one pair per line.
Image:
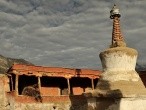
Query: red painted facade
x=52 y=81
x=55 y=83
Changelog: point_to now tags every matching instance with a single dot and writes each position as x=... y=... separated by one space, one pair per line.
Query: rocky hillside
x=6 y=63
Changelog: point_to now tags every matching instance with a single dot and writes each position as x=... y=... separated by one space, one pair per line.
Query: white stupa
x=119 y=78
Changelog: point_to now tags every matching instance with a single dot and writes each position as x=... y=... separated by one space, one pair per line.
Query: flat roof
x=21 y=69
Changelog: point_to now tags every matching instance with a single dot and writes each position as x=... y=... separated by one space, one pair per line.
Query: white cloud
x=68 y=33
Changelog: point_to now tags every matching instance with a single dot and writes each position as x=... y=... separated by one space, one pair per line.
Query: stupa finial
x=117 y=37
x=115 y=12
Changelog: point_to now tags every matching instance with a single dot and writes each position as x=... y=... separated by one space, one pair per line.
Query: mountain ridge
x=6 y=63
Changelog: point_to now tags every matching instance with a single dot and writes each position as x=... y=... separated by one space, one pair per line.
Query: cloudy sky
x=68 y=33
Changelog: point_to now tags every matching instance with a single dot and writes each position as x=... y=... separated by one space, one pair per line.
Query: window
x=51 y=86
x=79 y=85
x=25 y=81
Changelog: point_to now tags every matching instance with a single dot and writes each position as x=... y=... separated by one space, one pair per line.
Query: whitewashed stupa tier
x=119 y=64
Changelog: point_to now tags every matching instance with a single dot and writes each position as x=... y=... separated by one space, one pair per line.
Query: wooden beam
x=39 y=84
x=92 y=82
x=16 y=84
x=11 y=80
x=68 y=83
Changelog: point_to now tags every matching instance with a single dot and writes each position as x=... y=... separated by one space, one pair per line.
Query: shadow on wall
x=107 y=98
x=78 y=102
x=102 y=98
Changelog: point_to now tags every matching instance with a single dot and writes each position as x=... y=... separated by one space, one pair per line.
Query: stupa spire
x=117 y=37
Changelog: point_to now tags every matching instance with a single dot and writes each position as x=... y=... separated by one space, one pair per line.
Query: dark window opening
x=95 y=82
x=143 y=78
x=80 y=85
x=53 y=86
x=10 y=83
x=25 y=81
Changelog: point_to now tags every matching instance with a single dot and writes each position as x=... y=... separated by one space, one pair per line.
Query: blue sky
x=68 y=33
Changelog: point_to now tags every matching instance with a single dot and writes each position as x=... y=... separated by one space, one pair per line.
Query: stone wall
x=3 y=88
x=1 y=92
x=89 y=104
x=52 y=103
x=10 y=101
